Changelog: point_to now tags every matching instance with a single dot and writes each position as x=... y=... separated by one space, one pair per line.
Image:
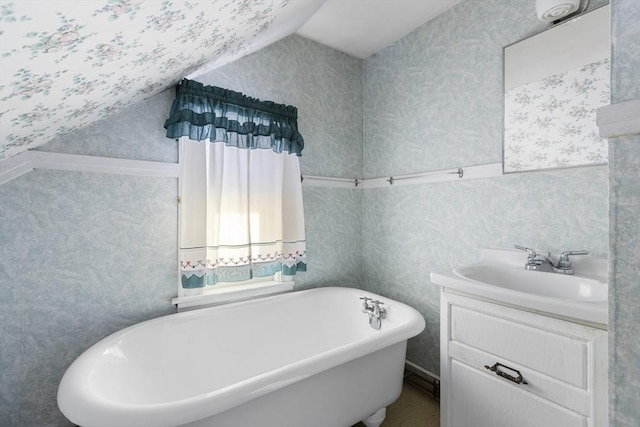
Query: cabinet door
x=564 y=363
x=485 y=401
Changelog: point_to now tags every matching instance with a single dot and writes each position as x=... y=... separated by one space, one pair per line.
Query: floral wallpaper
x=565 y=133
x=67 y=64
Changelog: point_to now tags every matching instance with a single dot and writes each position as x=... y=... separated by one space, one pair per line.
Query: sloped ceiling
x=65 y=64
x=68 y=63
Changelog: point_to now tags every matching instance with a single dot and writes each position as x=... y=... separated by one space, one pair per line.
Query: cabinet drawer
x=535 y=383
x=543 y=350
x=484 y=401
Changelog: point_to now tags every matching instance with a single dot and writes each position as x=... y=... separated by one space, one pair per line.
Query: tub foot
x=376 y=419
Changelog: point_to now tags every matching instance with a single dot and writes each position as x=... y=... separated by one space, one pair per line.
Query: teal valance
x=212 y=113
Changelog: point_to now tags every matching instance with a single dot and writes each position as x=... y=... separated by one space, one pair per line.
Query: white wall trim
x=15 y=166
x=80 y=163
x=323 y=181
x=26 y=161
x=619 y=119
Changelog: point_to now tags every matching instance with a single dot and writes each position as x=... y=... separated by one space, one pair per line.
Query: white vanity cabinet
x=502 y=366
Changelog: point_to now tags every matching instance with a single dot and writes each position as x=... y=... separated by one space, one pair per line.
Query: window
x=241 y=215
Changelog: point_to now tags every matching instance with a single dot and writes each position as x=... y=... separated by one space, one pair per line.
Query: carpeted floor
x=414 y=408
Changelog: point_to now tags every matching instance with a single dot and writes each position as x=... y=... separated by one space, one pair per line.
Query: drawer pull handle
x=516 y=379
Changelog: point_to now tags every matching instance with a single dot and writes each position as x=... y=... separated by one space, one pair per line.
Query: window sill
x=231 y=294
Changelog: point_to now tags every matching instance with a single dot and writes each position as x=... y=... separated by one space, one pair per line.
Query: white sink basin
x=501 y=276
x=553 y=285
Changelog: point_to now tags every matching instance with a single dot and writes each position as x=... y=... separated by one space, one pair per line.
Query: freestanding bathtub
x=307 y=358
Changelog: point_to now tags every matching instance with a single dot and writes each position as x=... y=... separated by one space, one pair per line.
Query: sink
x=553 y=285
x=501 y=276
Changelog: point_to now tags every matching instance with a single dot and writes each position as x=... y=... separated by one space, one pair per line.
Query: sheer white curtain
x=241 y=214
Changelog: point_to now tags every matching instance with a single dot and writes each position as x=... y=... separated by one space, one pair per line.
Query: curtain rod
x=468 y=172
x=458 y=171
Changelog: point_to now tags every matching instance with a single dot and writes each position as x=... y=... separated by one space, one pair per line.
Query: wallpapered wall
x=434 y=101
x=83 y=255
x=624 y=193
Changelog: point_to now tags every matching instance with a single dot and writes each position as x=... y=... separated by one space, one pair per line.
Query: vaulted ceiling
x=65 y=64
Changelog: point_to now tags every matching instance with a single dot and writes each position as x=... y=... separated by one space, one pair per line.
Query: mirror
x=553 y=84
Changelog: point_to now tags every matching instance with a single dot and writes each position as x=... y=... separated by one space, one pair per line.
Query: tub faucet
x=375 y=312
x=539 y=262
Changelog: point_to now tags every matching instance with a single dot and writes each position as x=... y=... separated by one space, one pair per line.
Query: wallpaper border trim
x=26 y=161
x=619 y=119
x=324 y=181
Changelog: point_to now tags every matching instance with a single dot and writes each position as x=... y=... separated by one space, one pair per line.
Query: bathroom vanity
x=511 y=355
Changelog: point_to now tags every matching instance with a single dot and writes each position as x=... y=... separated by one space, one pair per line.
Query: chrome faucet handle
x=366 y=304
x=379 y=311
x=531 y=252
x=531 y=259
x=564 y=262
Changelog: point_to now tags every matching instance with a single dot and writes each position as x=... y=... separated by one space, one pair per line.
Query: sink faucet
x=375 y=312
x=539 y=262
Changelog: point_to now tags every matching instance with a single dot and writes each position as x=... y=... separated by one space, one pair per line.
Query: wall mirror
x=553 y=84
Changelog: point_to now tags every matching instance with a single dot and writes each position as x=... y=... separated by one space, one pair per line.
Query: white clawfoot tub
x=307 y=358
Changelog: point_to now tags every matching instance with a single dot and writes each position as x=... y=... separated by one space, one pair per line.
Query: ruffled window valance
x=211 y=113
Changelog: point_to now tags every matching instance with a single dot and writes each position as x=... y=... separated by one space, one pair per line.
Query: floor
x=414 y=408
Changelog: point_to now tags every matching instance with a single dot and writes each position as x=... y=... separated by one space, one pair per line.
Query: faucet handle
x=564 y=262
x=532 y=253
x=378 y=310
x=522 y=248
x=366 y=303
